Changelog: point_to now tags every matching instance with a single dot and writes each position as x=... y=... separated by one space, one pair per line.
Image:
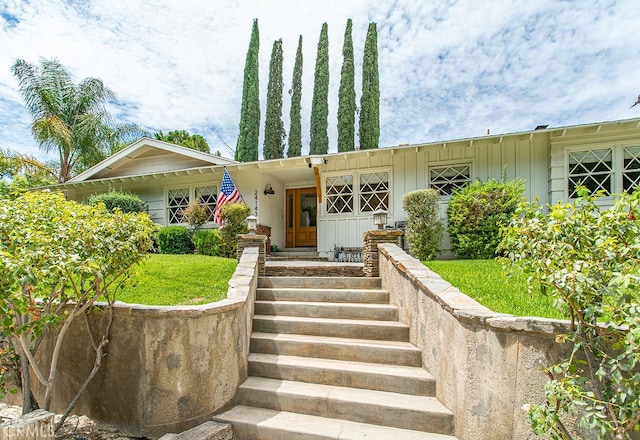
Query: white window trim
x=355 y=174
x=617 y=163
x=192 y=193
x=450 y=163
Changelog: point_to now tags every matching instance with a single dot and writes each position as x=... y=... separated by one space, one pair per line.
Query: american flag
x=228 y=194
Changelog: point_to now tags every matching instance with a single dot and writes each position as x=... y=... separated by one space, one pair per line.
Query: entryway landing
x=305 y=262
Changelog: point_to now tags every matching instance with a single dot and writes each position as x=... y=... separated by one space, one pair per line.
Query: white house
x=328 y=200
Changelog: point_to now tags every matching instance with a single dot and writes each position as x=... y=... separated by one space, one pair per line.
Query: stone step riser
x=323 y=295
x=334 y=350
x=345 y=378
x=362 y=412
x=353 y=329
x=321 y=282
x=257 y=423
x=327 y=310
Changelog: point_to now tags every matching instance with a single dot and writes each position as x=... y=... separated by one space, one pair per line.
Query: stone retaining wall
x=167 y=369
x=486 y=364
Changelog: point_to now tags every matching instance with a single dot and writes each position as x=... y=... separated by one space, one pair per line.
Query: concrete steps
x=266 y=424
x=329 y=359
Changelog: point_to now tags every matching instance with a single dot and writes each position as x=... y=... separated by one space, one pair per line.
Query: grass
x=165 y=280
x=489 y=283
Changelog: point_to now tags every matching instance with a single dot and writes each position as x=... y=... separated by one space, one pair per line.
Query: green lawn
x=164 y=280
x=489 y=283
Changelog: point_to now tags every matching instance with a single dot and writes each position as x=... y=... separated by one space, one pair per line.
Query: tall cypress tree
x=274 y=134
x=248 y=137
x=347 y=95
x=370 y=99
x=295 y=129
x=319 y=139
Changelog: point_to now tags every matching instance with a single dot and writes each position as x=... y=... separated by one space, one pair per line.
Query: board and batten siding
x=523 y=157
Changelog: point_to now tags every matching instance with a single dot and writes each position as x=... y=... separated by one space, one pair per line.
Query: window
x=339 y=194
x=592 y=169
x=447 y=179
x=207 y=197
x=631 y=170
x=178 y=199
x=374 y=192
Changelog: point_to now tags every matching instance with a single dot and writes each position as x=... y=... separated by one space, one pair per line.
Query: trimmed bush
x=175 y=240
x=477 y=212
x=113 y=200
x=424 y=229
x=233 y=215
x=208 y=242
x=196 y=214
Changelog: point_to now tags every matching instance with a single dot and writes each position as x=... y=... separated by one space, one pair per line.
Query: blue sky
x=448 y=68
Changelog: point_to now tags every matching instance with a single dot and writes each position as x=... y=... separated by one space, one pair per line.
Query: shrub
x=175 y=240
x=208 y=242
x=424 y=228
x=196 y=214
x=233 y=216
x=57 y=258
x=477 y=212
x=126 y=202
x=588 y=259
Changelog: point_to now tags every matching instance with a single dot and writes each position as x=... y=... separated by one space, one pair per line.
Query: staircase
x=329 y=360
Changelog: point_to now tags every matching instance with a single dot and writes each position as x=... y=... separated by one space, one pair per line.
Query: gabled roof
x=148 y=156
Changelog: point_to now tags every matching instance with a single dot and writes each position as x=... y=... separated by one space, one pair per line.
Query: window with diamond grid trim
x=592 y=169
x=374 y=192
x=631 y=171
x=207 y=197
x=177 y=200
x=339 y=194
x=447 y=179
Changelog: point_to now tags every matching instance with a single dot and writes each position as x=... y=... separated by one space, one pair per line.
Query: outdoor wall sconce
x=380 y=218
x=252 y=224
x=268 y=190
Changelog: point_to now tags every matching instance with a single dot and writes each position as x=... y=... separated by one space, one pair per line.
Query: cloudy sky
x=448 y=68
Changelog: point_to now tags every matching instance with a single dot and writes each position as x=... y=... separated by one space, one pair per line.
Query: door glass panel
x=308 y=209
x=290 y=211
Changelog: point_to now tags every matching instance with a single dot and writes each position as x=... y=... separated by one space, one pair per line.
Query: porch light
x=252 y=224
x=380 y=218
x=268 y=190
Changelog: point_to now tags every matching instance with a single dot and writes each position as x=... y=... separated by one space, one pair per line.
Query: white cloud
x=448 y=68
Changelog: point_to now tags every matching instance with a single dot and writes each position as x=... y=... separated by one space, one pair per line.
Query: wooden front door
x=302 y=217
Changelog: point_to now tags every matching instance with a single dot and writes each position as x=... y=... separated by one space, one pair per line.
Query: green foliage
x=477 y=212
x=184 y=139
x=248 y=136
x=196 y=214
x=19 y=172
x=175 y=240
x=347 y=95
x=208 y=242
x=274 y=134
x=319 y=139
x=295 y=129
x=491 y=285
x=169 y=280
x=424 y=229
x=125 y=202
x=587 y=259
x=370 y=99
x=53 y=253
x=68 y=118
x=233 y=216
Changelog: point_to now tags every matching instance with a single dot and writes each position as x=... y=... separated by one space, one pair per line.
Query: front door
x=302 y=211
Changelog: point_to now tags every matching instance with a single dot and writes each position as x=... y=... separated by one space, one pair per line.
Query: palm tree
x=70 y=118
